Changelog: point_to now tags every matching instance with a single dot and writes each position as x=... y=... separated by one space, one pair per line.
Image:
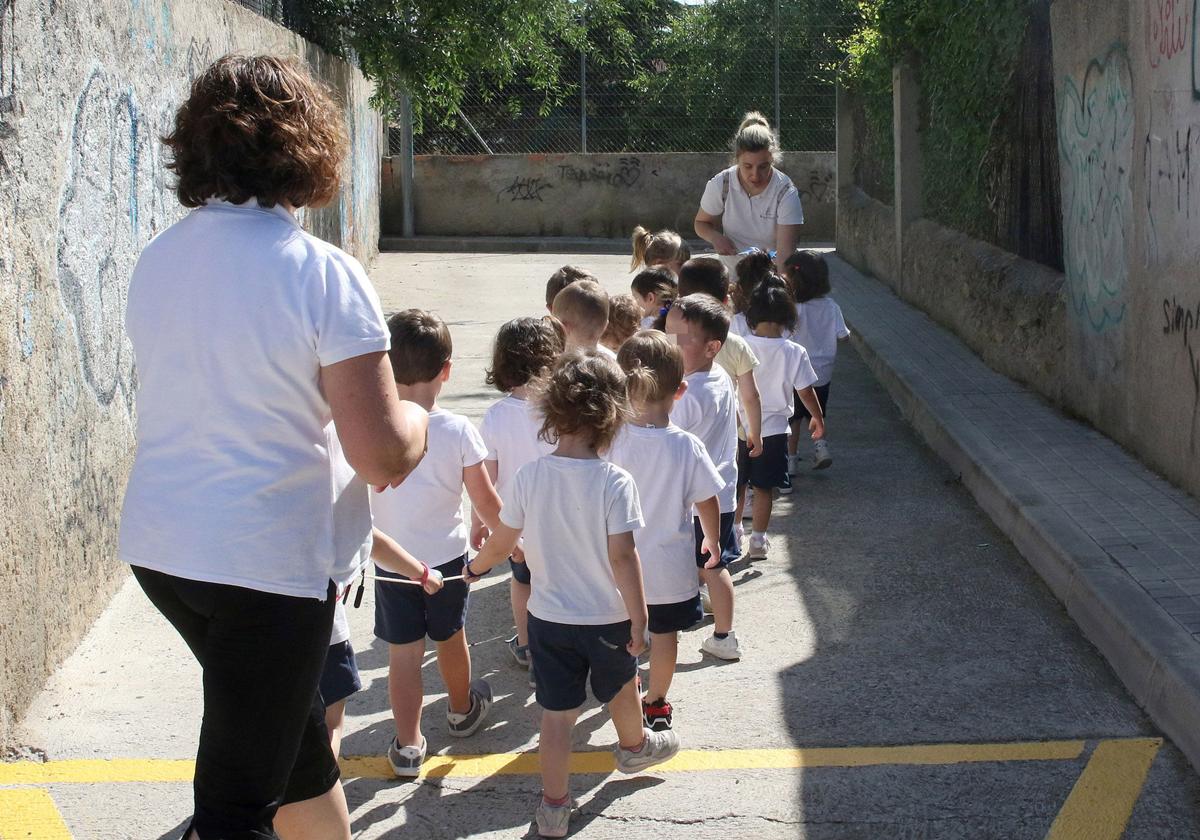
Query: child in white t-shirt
x=708 y=409
x=653 y=289
x=673 y=473
x=784 y=372
x=665 y=249
x=587 y=611
x=582 y=309
x=525 y=350
x=819 y=328
x=752 y=269
x=424 y=514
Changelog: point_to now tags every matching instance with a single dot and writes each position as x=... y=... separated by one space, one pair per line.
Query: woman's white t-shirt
x=238 y=476
x=566 y=509
x=819 y=325
x=750 y=220
x=424 y=513
x=672 y=472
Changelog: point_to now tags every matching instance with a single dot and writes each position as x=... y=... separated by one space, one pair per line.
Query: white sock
x=758 y=535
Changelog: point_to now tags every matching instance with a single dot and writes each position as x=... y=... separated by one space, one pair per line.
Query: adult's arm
x=706 y=229
x=785 y=242
x=382 y=437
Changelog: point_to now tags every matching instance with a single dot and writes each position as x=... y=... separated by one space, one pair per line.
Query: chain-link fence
x=683 y=87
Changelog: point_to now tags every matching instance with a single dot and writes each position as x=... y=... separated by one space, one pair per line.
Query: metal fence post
x=778 y=126
x=408 y=225
x=583 y=100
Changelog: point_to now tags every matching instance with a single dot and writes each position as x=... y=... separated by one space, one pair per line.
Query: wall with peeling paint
x=86 y=89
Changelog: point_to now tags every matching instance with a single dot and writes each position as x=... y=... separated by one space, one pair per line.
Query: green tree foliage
x=965 y=53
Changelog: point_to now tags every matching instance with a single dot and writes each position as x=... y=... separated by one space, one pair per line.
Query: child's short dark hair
x=421 y=346
x=525 y=349
x=653 y=367
x=585 y=395
x=655 y=281
x=562 y=278
x=772 y=303
x=704 y=275
x=751 y=269
x=624 y=318
x=703 y=311
x=808 y=275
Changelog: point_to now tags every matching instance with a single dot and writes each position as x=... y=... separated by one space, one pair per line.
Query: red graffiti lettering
x=1166 y=29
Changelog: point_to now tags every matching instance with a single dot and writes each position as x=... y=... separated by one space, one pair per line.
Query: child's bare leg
x=335 y=720
x=741 y=503
x=793 y=441
x=664 y=652
x=626 y=712
x=720 y=595
x=762 y=508
x=554 y=750
x=405 y=691
x=454 y=661
x=518 y=595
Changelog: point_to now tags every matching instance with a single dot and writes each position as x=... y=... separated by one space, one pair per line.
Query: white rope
x=413 y=582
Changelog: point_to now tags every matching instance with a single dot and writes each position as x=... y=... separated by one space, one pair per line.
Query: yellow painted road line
x=30 y=815
x=1102 y=800
x=92 y=771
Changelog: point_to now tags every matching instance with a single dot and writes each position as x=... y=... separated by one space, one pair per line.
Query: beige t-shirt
x=735 y=357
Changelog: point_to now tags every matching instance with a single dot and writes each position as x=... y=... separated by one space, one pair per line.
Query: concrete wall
x=1116 y=338
x=597 y=195
x=85 y=91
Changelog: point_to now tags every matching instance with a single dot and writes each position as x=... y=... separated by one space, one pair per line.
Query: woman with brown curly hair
x=264 y=387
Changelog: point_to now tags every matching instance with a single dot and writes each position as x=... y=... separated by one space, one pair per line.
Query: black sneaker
x=657 y=715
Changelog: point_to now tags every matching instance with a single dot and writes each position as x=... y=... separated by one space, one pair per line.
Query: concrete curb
x=527 y=245
x=1154 y=656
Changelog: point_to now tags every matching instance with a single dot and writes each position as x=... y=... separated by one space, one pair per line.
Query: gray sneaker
x=552 y=819
x=406 y=761
x=481 y=701
x=656 y=748
x=519 y=652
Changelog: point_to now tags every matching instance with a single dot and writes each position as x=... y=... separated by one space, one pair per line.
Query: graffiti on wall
x=1180 y=322
x=114 y=199
x=818 y=185
x=1096 y=143
x=524 y=189
x=1172 y=198
x=1168 y=28
x=623 y=175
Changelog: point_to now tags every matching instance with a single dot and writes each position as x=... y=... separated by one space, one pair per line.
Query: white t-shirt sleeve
x=841 y=330
x=624 y=508
x=704 y=481
x=712 y=201
x=803 y=374
x=346 y=317
x=512 y=507
x=791 y=212
x=473 y=449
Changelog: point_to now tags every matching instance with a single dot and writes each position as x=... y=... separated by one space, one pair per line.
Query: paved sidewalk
x=1118 y=544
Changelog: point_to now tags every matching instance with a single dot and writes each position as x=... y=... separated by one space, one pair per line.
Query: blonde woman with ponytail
x=751 y=204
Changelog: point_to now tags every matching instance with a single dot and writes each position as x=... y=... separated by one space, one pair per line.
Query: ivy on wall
x=966 y=56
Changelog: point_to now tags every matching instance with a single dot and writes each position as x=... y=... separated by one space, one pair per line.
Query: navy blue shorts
x=668 y=618
x=801 y=413
x=340 y=678
x=730 y=550
x=768 y=470
x=520 y=571
x=404 y=613
x=565 y=655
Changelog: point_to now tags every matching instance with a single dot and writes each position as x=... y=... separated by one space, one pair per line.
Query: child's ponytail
x=641 y=241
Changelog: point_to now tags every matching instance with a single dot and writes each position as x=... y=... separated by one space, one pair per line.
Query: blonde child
x=819 y=328
x=665 y=248
x=708 y=409
x=525 y=350
x=673 y=473
x=784 y=371
x=624 y=319
x=587 y=610
x=654 y=289
x=582 y=309
x=562 y=278
x=424 y=514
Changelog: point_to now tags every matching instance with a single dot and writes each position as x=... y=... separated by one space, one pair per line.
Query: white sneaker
x=759 y=546
x=821 y=457
x=657 y=747
x=748 y=505
x=705 y=603
x=726 y=648
x=793 y=465
x=552 y=820
x=739 y=531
